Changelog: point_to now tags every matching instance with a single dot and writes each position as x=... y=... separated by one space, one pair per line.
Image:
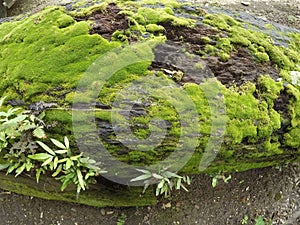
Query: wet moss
x=44 y=56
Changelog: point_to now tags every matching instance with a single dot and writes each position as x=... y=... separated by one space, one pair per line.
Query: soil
x=241 y=66
x=272 y=193
x=108 y=22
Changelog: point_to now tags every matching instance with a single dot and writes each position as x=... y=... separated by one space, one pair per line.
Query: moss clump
x=222 y=22
x=292 y=137
x=146 y=16
x=154 y=28
x=86 y=11
x=47 y=50
x=261 y=45
x=269 y=89
x=262 y=57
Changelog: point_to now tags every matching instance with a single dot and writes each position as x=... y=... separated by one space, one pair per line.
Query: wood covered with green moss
x=43 y=57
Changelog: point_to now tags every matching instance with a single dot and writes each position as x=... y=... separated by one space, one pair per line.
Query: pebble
x=245 y=3
x=168 y=205
x=102 y=211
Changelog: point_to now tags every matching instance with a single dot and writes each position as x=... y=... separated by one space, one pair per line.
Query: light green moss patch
x=86 y=11
x=259 y=44
x=146 y=15
x=44 y=51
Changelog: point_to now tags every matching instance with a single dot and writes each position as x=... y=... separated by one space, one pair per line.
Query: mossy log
x=100 y=195
x=44 y=57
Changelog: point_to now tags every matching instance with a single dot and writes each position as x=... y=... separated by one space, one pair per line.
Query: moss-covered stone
x=44 y=56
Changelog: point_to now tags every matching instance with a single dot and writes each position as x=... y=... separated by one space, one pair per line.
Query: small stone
x=102 y=211
x=168 y=205
x=245 y=3
x=110 y=212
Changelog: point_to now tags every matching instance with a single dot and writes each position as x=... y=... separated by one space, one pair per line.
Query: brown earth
x=273 y=193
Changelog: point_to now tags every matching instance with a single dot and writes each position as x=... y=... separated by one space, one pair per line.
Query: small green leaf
x=89 y=174
x=74 y=158
x=157 y=191
x=62 y=160
x=58 y=170
x=32 y=117
x=178 y=184
x=227 y=179
x=48 y=161
x=69 y=163
x=170 y=174
x=157 y=176
x=46 y=148
x=20 y=169
x=15 y=120
x=61 y=152
x=214 y=181
x=66 y=140
x=161 y=184
x=260 y=221
x=57 y=143
x=64 y=185
x=142 y=177
x=29 y=165
x=40 y=156
x=145 y=187
x=2 y=100
x=55 y=162
x=12 y=167
x=38 y=174
x=184 y=188
x=80 y=179
x=144 y=171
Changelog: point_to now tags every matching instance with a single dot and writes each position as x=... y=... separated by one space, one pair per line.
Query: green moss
x=269 y=89
x=269 y=26
x=258 y=43
x=65 y=21
x=262 y=57
x=146 y=16
x=216 y=21
x=167 y=3
x=39 y=52
x=292 y=137
x=210 y=49
x=205 y=40
x=224 y=56
x=153 y=28
x=83 y=12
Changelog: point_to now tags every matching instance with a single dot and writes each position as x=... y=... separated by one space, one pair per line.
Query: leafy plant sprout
x=21 y=136
x=219 y=176
x=166 y=181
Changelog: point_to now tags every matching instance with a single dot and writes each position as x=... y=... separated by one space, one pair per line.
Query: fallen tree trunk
x=232 y=102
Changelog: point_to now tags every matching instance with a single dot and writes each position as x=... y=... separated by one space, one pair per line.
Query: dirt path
x=272 y=193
